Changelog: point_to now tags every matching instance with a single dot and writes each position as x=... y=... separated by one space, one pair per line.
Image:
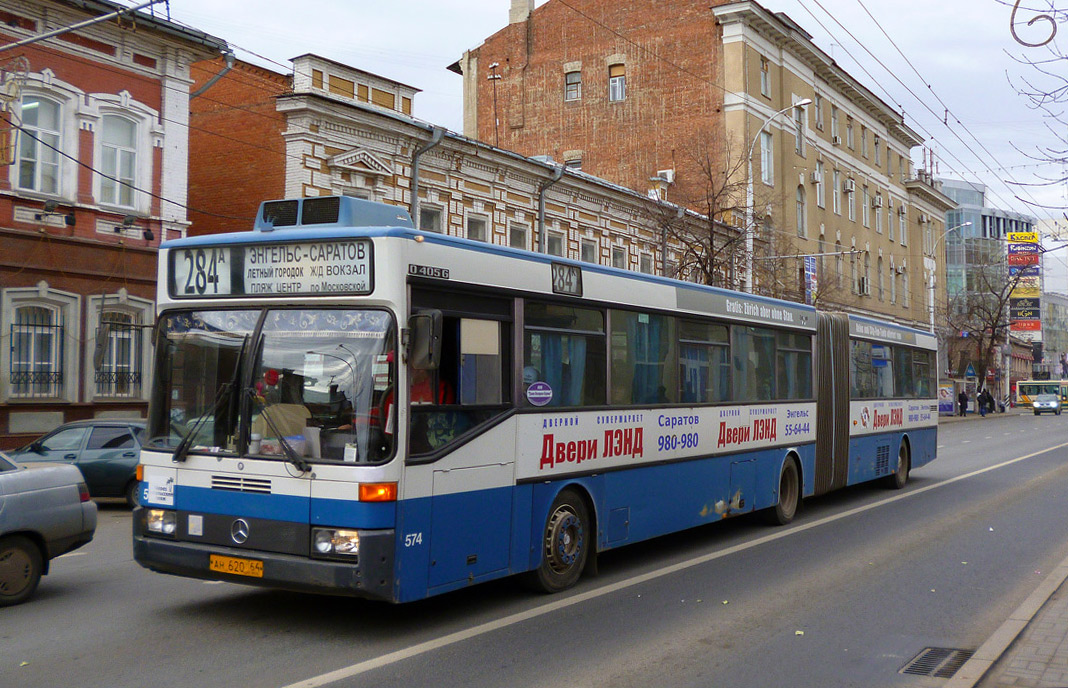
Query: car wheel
x=20 y=569
x=132 y=493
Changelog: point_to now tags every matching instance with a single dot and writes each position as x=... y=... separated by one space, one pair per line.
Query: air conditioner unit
x=667 y=175
x=816 y=178
x=924 y=219
x=836 y=140
x=849 y=186
x=877 y=202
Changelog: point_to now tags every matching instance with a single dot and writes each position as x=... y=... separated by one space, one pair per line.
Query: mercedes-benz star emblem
x=239 y=531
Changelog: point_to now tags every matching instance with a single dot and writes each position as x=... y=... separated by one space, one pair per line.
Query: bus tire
x=789 y=494
x=904 y=464
x=565 y=544
x=20 y=569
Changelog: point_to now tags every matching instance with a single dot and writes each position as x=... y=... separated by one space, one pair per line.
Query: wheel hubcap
x=15 y=570
x=564 y=541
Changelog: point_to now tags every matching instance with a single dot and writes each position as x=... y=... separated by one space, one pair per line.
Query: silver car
x=45 y=511
x=1047 y=403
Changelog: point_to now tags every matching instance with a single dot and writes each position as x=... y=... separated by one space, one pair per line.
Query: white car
x=1047 y=402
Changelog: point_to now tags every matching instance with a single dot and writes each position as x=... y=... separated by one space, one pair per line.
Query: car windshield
x=1046 y=397
x=276 y=383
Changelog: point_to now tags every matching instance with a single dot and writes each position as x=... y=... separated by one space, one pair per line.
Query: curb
x=995 y=646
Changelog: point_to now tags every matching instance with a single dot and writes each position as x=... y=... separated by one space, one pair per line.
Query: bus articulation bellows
x=346 y=405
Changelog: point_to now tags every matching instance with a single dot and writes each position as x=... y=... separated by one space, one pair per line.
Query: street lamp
x=749 y=191
x=934 y=268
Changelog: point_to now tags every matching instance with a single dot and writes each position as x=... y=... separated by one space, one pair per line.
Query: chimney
x=520 y=11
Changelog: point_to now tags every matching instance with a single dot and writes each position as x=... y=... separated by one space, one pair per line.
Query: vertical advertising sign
x=1025 y=309
x=811 y=279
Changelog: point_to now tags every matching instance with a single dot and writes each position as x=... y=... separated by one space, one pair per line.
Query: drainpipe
x=229 y=57
x=438 y=134
x=558 y=174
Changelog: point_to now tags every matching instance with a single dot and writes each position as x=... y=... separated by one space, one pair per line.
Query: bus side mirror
x=424 y=342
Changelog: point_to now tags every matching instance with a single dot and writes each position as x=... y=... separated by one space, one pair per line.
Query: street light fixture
x=749 y=191
x=934 y=270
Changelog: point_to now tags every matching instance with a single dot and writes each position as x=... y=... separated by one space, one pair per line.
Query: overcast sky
x=961 y=48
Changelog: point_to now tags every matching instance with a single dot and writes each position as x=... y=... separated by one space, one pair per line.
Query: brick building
x=97 y=153
x=338 y=130
x=665 y=96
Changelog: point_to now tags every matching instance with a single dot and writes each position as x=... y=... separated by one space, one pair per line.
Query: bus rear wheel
x=789 y=495
x=565 y=545
x=901 y=475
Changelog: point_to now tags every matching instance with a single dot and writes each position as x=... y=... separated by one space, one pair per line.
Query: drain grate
x=939 y=662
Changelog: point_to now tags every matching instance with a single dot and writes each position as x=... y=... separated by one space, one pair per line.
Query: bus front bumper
x=370 y=577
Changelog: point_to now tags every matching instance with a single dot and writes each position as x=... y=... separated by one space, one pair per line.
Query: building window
x=119 y=374
x=573 y=86
x=39 y=145
x=818 y=107
x=904 y=287
x=876 y=143
x=821 y=200
x=865 y=208
x=645 y=263
x=877 y=206
x=853 y=271
x=588 y=251
x=893 y=284
x=836 y=193
x=556 y=244
x=852 y=195
x=767 y=159
x=863 y=141
x=902 y=226
x=118 y=161
x=517 y=235
x=890 y=219
x=619 y=257
x=838 y=264
x=37 y=352
x=799 y=130
x=430 y=219
x=867 y=273
x=850 y=141
x=834 y=124
x=476 y=229
x=800 y=210
x=617 y=82
x=882 y=277
x=765 y=77
x=573 y=163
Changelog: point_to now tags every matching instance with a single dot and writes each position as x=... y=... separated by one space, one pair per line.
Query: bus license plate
x=235 y=566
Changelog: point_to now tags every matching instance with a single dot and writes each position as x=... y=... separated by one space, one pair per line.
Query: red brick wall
x=236 y=151
x=673 y=83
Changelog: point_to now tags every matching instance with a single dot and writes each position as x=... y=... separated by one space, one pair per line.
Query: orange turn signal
x=378 y=492
x=140 y=472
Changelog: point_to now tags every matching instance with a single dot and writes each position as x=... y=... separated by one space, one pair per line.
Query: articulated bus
x=1027 y=390
x=344 y=404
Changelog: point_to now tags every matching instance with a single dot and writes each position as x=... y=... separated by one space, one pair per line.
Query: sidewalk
x=1029 y=650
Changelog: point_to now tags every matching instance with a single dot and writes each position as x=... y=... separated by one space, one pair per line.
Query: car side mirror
x=424 y=340
x=36 y=447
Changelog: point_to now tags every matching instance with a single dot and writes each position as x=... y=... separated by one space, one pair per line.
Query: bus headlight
x=161 y=521
x=330 y=541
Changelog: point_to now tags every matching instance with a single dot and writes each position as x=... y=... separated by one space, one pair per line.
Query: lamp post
x=749 y=191
x=934 y=270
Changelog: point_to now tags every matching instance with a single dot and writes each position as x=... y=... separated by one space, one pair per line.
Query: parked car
x=45 y=511
x=1044 y=403
x=106 y=452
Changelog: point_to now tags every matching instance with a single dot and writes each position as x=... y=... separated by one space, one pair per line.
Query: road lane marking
x=491 y=626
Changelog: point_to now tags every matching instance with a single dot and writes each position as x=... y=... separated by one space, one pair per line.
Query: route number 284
x=203 y=271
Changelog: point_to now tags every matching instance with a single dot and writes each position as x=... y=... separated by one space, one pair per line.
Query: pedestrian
x=981 y=401
x=962 y=403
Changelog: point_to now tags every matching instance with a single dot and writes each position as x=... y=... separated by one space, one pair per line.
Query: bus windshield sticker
x=539 y=393
x=567 y=279
x=335 y=267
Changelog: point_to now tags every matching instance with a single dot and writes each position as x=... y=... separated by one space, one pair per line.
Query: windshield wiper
x=225 y=390
x=291 y=454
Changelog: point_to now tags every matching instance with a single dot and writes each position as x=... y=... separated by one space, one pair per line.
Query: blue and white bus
x=343 y=404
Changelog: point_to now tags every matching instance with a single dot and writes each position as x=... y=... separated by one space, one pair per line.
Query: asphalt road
x=858 y=585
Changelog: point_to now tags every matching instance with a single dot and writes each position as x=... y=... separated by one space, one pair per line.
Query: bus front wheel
x=565 y=545
x=789 y=495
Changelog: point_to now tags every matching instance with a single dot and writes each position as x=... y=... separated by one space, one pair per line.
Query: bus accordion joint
x=378 y=492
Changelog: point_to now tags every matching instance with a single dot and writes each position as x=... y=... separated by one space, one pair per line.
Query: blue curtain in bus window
x=564 y=360
x=883 y=367
x=693 y=364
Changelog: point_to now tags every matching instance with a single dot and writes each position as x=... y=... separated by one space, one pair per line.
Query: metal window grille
x=120 y=374
x=36 y=354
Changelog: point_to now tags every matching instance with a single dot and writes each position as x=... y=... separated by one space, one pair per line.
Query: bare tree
x=982 y=309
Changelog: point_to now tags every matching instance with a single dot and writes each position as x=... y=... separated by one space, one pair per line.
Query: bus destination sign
x=288 y=269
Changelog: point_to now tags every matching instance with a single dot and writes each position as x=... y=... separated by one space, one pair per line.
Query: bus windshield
x=310 y=383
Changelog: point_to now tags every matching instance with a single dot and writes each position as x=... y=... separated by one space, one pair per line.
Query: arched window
x=39 y=145
x=882 y=277
x=118 y=161
x=904 y=287
x=36 y=352
x=800 y=210
x=853 y=272
x=838 y=264
x=867 y=273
